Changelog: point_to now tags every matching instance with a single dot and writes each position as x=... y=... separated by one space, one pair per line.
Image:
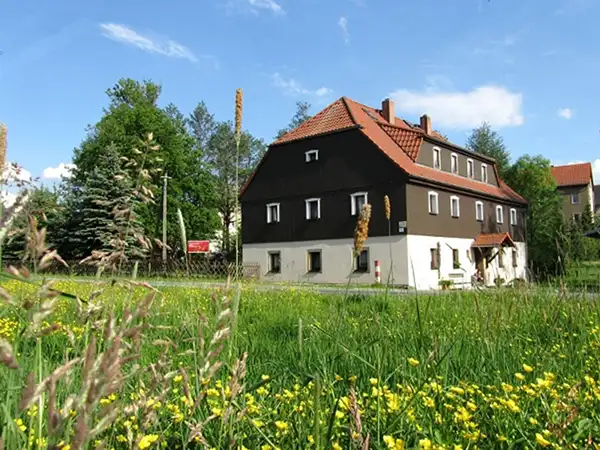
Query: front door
x=480 y=263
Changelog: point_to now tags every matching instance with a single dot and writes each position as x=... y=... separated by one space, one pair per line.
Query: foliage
x=488 y=142
x=132 y=113
x=433 y=372
x=531 y=177
x=300 y=116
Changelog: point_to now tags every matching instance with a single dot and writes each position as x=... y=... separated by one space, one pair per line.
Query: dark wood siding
x=426 y=158
x=348 y=163
x=420 y=222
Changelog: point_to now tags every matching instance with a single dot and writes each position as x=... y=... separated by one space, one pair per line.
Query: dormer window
x=470 y=169
x=513 y=216
x=454 y=163
x=437 y=158
x=311 y=156
x=484 y=173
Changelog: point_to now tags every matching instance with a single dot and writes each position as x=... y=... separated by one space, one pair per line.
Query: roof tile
x=572 y=174
x=492 y=240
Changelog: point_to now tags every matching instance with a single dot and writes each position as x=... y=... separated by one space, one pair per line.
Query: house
x=451 y=214
x=576 y=184
x=597 y=199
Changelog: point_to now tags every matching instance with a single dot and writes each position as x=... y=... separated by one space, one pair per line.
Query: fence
x=203 y=269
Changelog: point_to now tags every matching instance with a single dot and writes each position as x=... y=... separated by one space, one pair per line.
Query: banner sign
x=198 y=246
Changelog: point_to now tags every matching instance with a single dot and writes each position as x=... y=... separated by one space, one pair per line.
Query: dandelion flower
x=519 y=376
x=527 y=368
x=147 y=441
x=413 y=362
x=541 y=440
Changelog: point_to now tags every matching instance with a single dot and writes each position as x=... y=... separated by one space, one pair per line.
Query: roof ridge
x=345 y=100
x=410 y=130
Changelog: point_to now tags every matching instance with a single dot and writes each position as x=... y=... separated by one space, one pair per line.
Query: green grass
x=463 y=391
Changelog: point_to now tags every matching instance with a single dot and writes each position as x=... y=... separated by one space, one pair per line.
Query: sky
x=527 y=67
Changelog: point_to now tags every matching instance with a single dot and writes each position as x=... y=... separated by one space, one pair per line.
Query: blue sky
x=526 y=66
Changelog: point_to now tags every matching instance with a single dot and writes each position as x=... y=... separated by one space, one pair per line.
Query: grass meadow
x=125 y=366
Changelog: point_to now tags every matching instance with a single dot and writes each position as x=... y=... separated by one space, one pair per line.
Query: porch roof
x=493 y=240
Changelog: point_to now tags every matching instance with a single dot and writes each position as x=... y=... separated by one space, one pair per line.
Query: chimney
x=388 y=110
x=426 y=124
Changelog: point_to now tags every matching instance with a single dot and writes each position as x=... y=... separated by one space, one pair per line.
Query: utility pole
x=164 y=219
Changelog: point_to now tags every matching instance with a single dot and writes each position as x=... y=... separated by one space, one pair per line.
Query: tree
x=132 y=113
x=488 y=142
x=202 y=125
x=299 y=118
x=531 y=177
x=220 y=157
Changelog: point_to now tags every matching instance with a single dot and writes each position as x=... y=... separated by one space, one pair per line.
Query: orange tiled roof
x=400 y=142
x=572 y=174
x=492 y=240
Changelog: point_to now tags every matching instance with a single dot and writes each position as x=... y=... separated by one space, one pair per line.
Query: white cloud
x=166 y=47
x=58 y=172
x=463 y=110
x=565 y=113
x=292 y=87
x=343 y=24
x=270 y=5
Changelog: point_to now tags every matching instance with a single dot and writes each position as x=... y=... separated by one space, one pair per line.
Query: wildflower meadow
x=121 y=365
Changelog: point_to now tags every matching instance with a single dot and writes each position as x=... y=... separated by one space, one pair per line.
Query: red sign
x=198 y=246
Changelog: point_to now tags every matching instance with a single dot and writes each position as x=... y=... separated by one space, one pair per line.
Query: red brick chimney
x=388 y=110
x=426 y=123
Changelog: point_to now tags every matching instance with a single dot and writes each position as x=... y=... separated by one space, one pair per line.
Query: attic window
x=436 y=158
x=311 y=156
x=470 y=171
x=484 y=173
x=371 y=115
x=454 y=163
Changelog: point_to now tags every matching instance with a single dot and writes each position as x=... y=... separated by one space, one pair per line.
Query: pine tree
x=488 y=142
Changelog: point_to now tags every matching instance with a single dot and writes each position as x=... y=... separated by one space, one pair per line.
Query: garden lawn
x=500 y=369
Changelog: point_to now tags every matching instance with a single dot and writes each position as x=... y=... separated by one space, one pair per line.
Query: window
x=314 y=261
x=515 y=259
x=311 y=156
x=435 y=259
x=576 y=217
x=313 y=209
x=455 y=259
x=499 y=214
x=357 y=201
x=272 y=212
x=454 y=206
x=479 y=211
x=437 y=159
x=361 y=263
x=454 y=163
x=484 y=174
x=470 y=168
x=274 y=262
x=433 y=203
x=501 y=257
x=575 y=199
x=513 y=216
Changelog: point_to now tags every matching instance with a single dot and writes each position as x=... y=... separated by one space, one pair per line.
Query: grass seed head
x=361 y=232
x=239 y=109
x=3 y=144
x=387 y=207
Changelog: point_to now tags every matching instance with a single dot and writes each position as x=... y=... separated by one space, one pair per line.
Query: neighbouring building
x=451 y=214
x=597 y=199
x=576 y=184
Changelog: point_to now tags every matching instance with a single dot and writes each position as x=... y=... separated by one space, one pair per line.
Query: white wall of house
x=336 y=259
x=423 y=277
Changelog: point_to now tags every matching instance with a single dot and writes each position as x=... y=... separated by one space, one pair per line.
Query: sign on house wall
x=198 y=246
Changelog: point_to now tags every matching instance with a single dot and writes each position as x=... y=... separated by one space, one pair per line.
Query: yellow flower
x=20 y=425
x=533 y=421
x=519 y=376
x=265 y=377
x=178 y=379
x=457 y=390
x=281 y=426
x=425 y=444
x=311 y=439
x=393 y=444
x=413 y=362
x=541 y=440
x=373 y=381
x=147 y=441
x=336 y=446
x=527 y=368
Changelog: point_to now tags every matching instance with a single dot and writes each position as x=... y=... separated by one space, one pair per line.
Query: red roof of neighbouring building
x=572 y=174
x=493 y=240
x=399 y=140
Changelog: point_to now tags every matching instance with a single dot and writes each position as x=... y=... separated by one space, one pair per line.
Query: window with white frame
x=513 y=216
x=361 y=261
x=454 y=206
x=437 y=158
x=479 y=211
x=454 y=163
x=274 y=262
x=313 y=208
x=272 y=212
x=499 y=214
x=357 y=201
x=575 y=199
x=311 y=155
x=470 y=168
x=484 y=173
x=433 y=203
